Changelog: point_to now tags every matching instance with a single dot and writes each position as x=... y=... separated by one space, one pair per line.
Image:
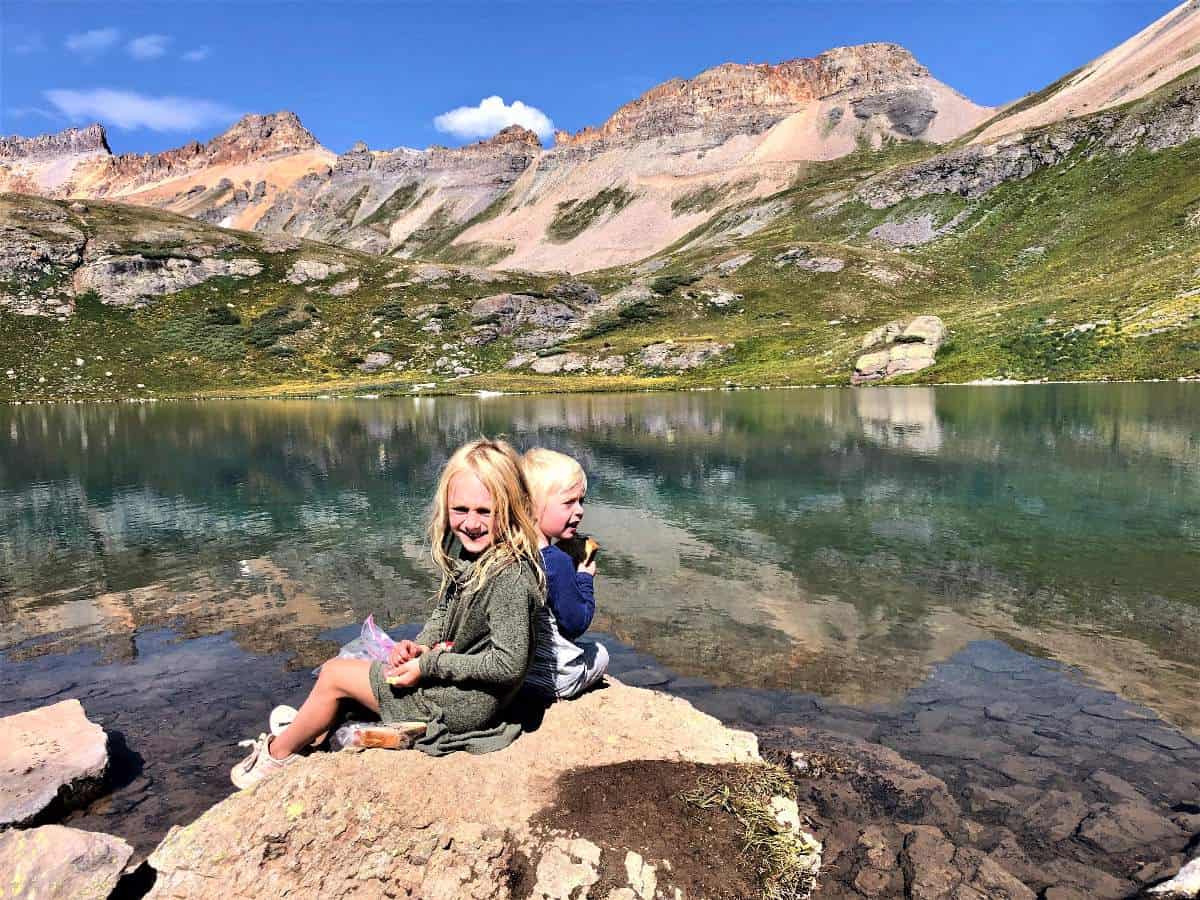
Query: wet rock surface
x=52 y=758
x=53 y=861
x=943 y=799
x=865 y=777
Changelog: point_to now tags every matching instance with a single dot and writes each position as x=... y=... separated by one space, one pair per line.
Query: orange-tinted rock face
x=735 y=97
x=252 y=137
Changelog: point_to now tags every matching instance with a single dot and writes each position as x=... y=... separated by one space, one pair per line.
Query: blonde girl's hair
x=514 y=529
x=547 y=471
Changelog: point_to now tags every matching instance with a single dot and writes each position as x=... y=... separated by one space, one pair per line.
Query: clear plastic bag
x=372 y=644
x=366 y=735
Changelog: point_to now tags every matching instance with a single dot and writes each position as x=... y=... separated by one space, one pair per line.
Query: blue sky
x=159 y=74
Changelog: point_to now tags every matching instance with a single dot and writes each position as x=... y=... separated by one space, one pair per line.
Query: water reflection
x=838 y=542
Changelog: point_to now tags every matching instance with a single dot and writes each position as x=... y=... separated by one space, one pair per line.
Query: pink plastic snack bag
x=372 y=643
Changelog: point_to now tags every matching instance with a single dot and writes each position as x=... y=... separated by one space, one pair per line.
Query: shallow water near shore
x=887 y=563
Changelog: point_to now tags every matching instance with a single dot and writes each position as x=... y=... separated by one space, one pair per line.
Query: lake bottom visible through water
x=998 y=754
x=965 y=618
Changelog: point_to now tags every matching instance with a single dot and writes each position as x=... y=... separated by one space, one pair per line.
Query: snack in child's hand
x=394 y=680
x=582 y=548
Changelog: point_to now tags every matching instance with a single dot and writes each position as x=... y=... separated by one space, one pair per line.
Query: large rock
x=904 y=348
x=305 y=270
x=51 y=758
x=1185 y=884
x=128 y=280
x=54 y=861
x=560 y=362
x=681 y=357
x=384 y=823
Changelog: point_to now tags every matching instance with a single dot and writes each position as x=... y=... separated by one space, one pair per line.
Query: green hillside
x=1086 y=269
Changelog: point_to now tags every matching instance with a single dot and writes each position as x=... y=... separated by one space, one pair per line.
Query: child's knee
x=342 y=676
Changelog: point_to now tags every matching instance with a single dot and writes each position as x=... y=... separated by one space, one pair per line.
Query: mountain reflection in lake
x=834 y=542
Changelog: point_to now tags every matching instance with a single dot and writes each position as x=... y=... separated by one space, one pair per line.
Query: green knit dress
x=463 y=689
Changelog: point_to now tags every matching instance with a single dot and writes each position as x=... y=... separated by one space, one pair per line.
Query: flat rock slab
x=50 y=755
x=55 y=861
x=400 y=823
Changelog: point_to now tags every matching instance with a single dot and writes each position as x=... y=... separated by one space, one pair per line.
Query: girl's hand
x=407 y=674
x=403 y=651
x=589 y=568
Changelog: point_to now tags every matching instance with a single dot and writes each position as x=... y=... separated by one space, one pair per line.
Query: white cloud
x=130 y=111
x=198 y=55
x=148 y=46
x=94 y=42
x=490 y=116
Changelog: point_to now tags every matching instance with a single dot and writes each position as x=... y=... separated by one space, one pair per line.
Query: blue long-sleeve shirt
x=571 y=594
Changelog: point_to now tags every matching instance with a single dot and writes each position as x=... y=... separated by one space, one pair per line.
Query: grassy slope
x=1117 y=249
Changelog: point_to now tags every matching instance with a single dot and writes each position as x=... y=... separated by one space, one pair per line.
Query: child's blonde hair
x=514 y=527
x=547 y=471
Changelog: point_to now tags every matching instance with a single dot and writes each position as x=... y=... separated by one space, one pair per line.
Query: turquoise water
x=833 y=542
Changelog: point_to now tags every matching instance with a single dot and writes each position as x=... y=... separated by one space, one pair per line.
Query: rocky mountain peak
x=68 y=142
x=255 y=134
x=513 y=134
x=739 y=96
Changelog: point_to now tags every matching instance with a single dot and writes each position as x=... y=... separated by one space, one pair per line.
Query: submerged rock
x=386 y=823
x=50 y=757
x=54 y=861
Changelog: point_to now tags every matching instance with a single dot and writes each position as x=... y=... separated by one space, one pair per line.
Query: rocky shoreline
x=1001 y=777
x=525 y=822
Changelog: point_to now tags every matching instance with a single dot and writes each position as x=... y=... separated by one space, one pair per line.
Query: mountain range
x=845 y=200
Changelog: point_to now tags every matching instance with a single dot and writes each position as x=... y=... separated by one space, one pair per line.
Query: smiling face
x=563 y=512
x=471 y=512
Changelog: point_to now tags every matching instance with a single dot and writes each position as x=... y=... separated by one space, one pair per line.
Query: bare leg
x=340 y=679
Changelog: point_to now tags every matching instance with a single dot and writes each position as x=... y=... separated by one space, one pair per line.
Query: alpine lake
x=1000 y=583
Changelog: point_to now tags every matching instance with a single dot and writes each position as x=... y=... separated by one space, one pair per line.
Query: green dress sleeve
x=509 y=602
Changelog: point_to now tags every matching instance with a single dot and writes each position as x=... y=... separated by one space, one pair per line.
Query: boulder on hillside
x=342 y=288
x=802 y=258
x=681 y=357
x=900 y=348
x=575 y=292
x=127 y=280
x=376 y=360
x=522 y=822
x=51 y=759
x=511 y=312
x=54 y=861
x=560 y=362
x=305 y=270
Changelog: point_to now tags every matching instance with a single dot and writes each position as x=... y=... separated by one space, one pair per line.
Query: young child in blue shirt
x=565 y=663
